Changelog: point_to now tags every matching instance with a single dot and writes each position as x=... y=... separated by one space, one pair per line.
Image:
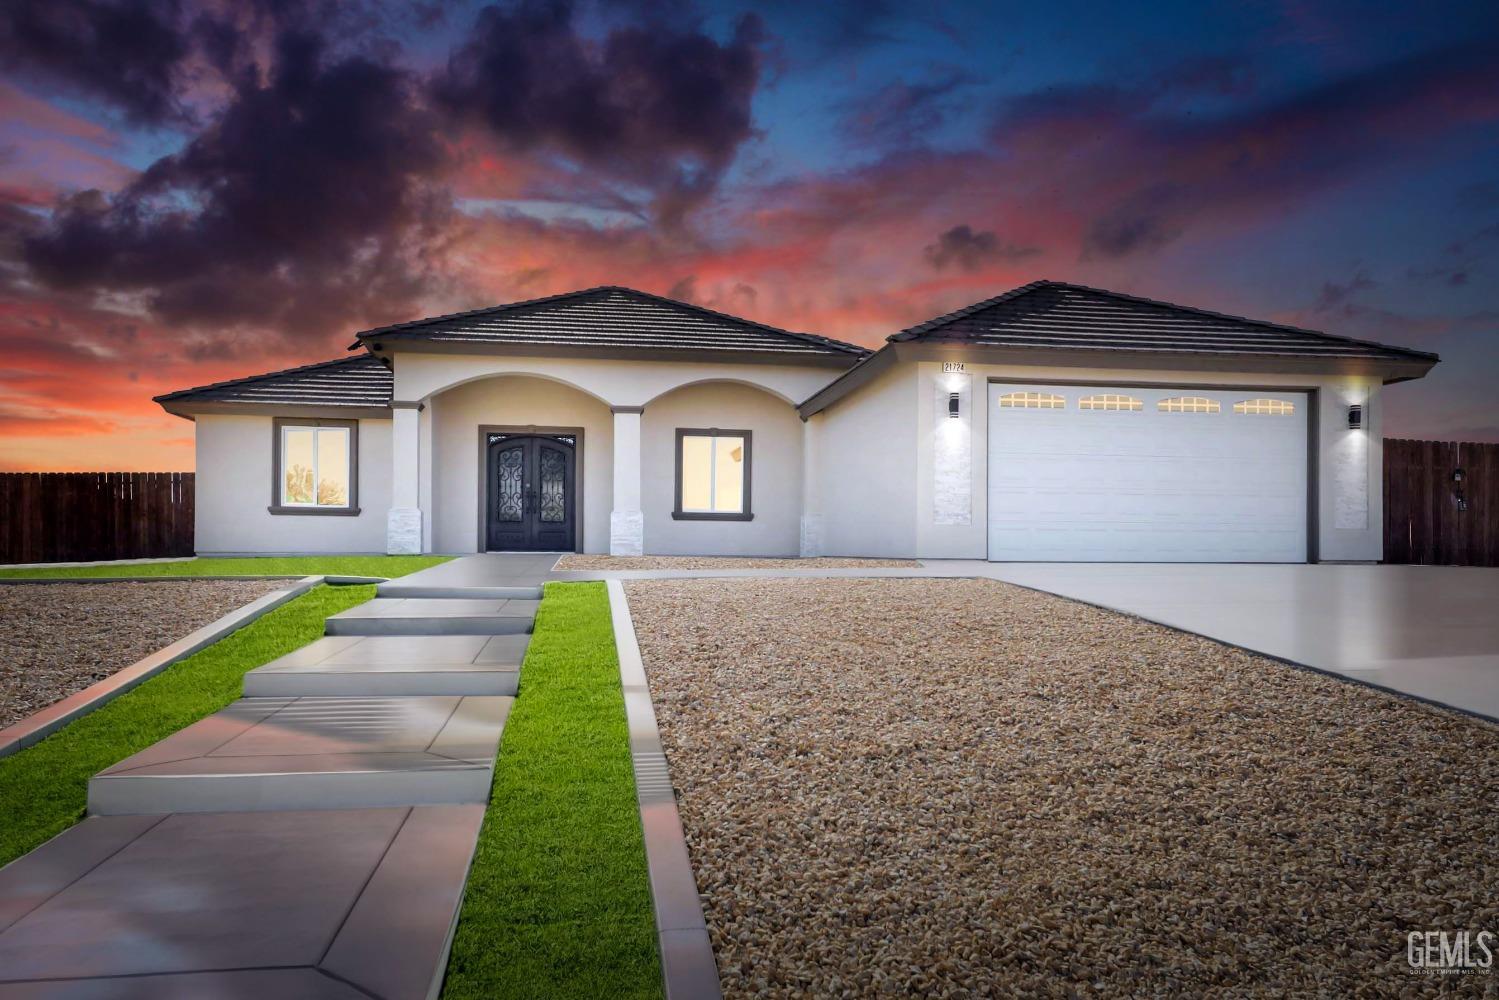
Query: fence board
x=1422 y=522
x=84 y=516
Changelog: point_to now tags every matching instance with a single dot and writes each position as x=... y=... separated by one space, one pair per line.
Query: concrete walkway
x=311 y=840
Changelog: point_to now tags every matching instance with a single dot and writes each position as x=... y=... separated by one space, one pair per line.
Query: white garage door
x=1122 y=474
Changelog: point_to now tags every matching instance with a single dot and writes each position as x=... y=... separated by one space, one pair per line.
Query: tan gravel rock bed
x=58 y=638
x=962 y=788
x=581 y=562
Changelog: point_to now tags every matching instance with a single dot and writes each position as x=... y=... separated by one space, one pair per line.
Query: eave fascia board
x=191 y=409
x=387 y=347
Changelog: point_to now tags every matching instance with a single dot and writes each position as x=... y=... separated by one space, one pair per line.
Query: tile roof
x=1055 y=314
x=619 y=318
x=361 y=381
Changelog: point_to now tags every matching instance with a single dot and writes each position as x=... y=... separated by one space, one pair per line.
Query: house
x=1053 y=422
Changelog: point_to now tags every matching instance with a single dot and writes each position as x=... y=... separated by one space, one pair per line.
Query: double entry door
x=531 y=497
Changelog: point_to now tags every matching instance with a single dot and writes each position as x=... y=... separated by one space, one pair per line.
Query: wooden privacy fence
x=1425 y=520
x=83 y=516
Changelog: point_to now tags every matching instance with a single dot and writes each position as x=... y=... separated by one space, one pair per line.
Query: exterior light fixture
x=1458 y=475
x=952 y=405
x=1355 y=417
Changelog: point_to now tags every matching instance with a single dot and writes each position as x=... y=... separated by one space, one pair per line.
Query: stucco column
x=811 y=525
x=403 y=525
x=626 y=522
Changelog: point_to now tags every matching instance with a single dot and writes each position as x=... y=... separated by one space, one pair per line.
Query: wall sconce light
x=1355 y=417
x=1458 y=475
x=952 y=405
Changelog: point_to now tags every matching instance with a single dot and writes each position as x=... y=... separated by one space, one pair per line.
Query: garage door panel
x=1146 y=484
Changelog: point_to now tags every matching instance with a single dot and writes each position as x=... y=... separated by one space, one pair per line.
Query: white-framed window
x=1188 y=404
x=1109 y=401
x=713 y=474
x=315 y=467
x=1032 y=401
x=1265 y=407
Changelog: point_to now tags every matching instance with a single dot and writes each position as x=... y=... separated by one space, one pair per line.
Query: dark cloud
x=963 y=247
x=1336 y=294
x=902 y=113
x=1143 y=223
x=129 y=53
x=660 y=108
x=304 y=205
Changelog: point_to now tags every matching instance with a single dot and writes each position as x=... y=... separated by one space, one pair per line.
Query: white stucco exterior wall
x=614 y=382
x=867 y=482
x=233 y=490
x=775 y=472
x=514 y=403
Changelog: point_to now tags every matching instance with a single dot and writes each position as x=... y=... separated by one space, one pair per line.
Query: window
x=1188 y=404
x=314 y=468
x=713 y=475
x=1032 y=401
x=1265 y=407
x=1109 y=401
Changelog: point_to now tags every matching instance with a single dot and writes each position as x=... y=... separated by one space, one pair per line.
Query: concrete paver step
x=395 y=588
x=395 y=665
x=314 y=753
x=435 y=616
x=298 y=904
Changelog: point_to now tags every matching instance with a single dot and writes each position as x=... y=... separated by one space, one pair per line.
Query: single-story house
x=1052 y=422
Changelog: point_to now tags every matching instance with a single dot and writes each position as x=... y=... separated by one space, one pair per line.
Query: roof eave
x=394 y=344
x=1389 y=370
x=192 y=408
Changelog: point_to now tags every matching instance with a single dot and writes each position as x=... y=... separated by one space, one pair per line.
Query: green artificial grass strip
x=386 y=566
x=558 y=903
x=44 y=788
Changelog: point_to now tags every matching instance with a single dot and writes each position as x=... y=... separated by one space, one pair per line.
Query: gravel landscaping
x=963 y=788
x=580 y=562
x=61 y=637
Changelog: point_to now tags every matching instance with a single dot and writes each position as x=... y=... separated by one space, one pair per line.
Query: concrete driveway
x=1427 y=631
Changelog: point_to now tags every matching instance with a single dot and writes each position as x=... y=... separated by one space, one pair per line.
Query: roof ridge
x=911 y=332
x=810 y=337
x=245 y=380
x=505 y=307
x=483 y=310
x=1162 y=303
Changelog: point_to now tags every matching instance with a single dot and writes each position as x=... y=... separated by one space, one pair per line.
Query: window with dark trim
x=713 y=475
x=314 y=466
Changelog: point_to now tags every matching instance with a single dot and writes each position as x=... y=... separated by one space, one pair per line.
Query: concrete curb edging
x=49 y=720
x=687 y=966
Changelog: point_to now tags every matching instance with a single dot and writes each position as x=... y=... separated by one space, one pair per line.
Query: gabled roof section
x=357 y=383
x=1055 y=314
x=611 y=318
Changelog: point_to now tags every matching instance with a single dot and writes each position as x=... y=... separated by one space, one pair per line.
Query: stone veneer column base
x=811 y=539
x=626 y=533
x=403 y=531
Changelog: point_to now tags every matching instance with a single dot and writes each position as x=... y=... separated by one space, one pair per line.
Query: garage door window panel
x=1188 y=404
x=1110 y=402
x=1265 y=407
x=1032 y=401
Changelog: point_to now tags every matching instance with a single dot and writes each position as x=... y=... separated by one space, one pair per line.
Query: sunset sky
x=198 y=191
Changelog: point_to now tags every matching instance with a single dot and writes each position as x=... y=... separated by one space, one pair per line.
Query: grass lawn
x=387 y=566
x=43 y=789
x=558 y=903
